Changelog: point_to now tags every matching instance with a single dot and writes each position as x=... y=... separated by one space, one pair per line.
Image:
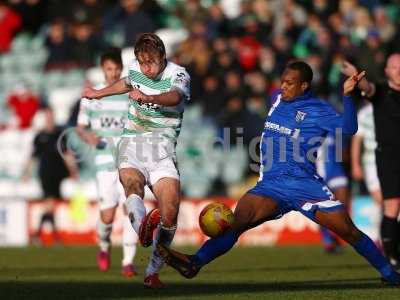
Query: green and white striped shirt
x=151 y=118
x=366 y=130
x=107 y=119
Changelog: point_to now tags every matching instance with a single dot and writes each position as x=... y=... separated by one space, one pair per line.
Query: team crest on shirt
x=300 y=116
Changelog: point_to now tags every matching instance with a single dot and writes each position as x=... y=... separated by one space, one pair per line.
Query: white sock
x=164 y=235
x=136 y=210
x=104 y=233
x=129 y=241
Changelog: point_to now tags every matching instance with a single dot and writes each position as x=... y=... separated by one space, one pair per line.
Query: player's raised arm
x=119 y=87
x=349 y=117
x=347 y=121
x=180 y=90
x=171 y=98
x=366 y=87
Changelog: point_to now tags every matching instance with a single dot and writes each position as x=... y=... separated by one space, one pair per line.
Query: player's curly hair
x=149 y=43
x=306 y=73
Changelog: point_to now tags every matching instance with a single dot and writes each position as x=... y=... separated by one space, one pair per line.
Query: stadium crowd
x=234 y=50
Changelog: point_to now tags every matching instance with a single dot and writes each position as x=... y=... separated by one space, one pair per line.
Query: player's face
x=291 y=85
x=150 y=64
x=392 y=69
x=111 y=70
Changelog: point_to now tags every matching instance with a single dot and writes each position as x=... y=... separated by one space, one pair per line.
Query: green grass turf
x=244 y=273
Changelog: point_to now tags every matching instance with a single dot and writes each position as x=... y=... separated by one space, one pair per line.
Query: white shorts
x=111 y=192
x=153 y=160
x=371 y=177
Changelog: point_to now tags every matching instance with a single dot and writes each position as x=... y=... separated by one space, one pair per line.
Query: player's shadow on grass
x=293 y=268
x=119 y=290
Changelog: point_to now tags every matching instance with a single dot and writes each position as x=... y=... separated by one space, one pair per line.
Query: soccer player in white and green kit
x=158 y=90
x=100 y=124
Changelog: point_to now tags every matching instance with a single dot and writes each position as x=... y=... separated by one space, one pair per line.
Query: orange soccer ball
x=215 y=219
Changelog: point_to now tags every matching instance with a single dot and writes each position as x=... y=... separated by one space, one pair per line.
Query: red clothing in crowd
x=24 y=107
x=10 y=22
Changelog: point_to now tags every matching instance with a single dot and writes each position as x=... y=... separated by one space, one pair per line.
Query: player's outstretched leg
x=129 y=241
x=167 y=192
x=250 y=211
x=103 y=234
x=104 y=229
x=133 y=182
x=340 y=223
x=329 y=241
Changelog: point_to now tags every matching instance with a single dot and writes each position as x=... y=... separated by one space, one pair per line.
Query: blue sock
x=327 y=236
x=215 y=247
x=366 y=247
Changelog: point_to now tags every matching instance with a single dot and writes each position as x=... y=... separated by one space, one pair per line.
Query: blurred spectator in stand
x=217 y=24
x=385 y=27
x=91 y=10
x=24 y=104
x=190 y=11
x=57 y=47
x=240 y=120
x=10 y=23
x=212 y=97
x=84 y=45
x=32 y=14
x=55 y=162
x=128 y=17
x=371 y=56
x=58 y=10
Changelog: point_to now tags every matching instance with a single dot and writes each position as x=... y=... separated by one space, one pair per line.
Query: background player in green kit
x=158 y=90
x=100 y=124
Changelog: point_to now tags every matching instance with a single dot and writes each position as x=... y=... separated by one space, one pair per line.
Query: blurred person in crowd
x=24 y=103
x=212 y=97
x=241 y=121
x=371 y=56
x=217 y=24
x=330 y=167
x=288 y=180
x=58 y=10
x=128 y=17
x=84 y=44
x=158 y=90
x=10 y=23
x=33 y=15
x=383 y=24
x=363 y=159
x=100 y=125
x=92 y=10
x=191 y=11
x=385 y=99
x=55 y=162
x=57 y=45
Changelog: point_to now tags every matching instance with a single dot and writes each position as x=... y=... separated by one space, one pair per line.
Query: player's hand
x=92 y=139
x=357 y=172
x=137 y=95
x=89 y=93
x=348 y=69
x=351 y=82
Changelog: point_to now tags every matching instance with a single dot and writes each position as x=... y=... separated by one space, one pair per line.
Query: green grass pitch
x=244 y=273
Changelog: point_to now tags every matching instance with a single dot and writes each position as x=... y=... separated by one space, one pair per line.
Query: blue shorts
x=333 y=174
x=303 y=194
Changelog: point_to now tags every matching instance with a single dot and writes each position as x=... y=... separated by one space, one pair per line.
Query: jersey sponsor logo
x=300 y=116
x=112 y=122
x=149 y=106
x=277 y=128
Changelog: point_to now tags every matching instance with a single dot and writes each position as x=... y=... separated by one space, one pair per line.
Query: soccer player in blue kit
x=295 y=126
x=330 y=167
